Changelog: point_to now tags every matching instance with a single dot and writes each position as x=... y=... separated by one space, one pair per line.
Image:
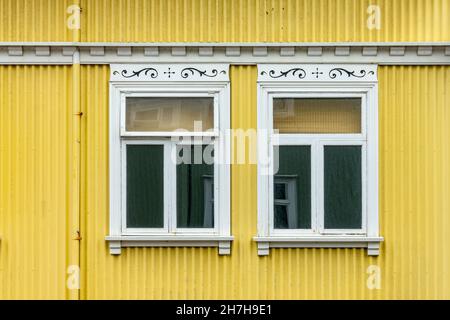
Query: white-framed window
x=169 y=156
x=318 y=126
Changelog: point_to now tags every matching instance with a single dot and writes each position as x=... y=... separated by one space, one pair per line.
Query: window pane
x=281 y=217
x=330 y=115
x=195 y=188
x=145 y=186
x=292 y=209
x=169 y=114
x=343 y=188
x=280 y=190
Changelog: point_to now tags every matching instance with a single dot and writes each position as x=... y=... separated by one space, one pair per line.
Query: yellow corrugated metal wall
x=34 y=20
x=414 y=210
x=39 y=170
x=34 y=181
x=414 y=207
x=225 y=20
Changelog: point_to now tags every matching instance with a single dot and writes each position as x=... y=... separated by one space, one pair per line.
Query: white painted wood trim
x=170 y=72
x=223 y=243
x=389 y=53
x=319 y=239
x=371 y=243
x=316 y=73
x=115 y=181
x=227 y=44
x=169 y=238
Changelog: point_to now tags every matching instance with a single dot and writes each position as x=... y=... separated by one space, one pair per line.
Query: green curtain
x=343 y=187
x=145 y=186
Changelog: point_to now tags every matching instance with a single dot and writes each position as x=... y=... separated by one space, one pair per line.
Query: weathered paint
x=225 y=20
x=414 y=210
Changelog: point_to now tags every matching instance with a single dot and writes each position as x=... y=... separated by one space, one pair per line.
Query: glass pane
x=145 y=186
x=195 y=188
x=169 y=114
x=293 y=211
x=330 y=115
x=343 y=187
x=280 y=191
x=281 y=217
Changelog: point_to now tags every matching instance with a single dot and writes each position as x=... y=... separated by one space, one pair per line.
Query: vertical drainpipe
x=74 y=211
x=73 y=285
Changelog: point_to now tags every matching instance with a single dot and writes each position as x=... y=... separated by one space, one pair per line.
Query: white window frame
x=199 y=81
x=319 y=81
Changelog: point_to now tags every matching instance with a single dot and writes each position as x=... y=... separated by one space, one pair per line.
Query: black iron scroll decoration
x=187 y=72
x=272 y=73
x=152 y=72
x=335 y=72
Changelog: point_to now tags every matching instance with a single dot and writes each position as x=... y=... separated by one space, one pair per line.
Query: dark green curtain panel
x=192 y=179
x=343 y=189
x=145 y=186
x=295 y=162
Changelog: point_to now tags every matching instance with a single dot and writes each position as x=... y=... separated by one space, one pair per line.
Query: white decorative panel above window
x=169 y=72
x=317 y=72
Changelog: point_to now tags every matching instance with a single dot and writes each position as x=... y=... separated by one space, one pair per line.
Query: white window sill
x=116 y=243
x=371 y=243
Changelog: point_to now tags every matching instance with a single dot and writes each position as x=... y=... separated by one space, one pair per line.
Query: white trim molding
x=161 y=81
x=316 y=73
x=170 y=72
x=318 y=81
x=116 y=243
x=382 y=53
x=371 y=243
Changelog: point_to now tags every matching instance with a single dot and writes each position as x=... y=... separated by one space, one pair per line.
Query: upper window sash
x=317 y=95
x=177 y=93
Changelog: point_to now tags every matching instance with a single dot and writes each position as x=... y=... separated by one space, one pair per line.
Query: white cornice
x=382 y=53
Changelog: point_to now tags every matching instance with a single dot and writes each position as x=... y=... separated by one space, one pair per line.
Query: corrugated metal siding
x=34 y=104
x=414 y=180
x=263 y=20
x=414 y=210
x=225 y=20
x=35 y=20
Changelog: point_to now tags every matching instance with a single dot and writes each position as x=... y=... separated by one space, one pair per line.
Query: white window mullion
x=319 y=180
x=315 y=223
x=170 y=186
x=270 y=187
